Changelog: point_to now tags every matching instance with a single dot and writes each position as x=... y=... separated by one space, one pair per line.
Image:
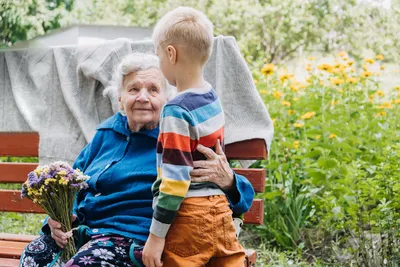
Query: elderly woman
x=114 y=213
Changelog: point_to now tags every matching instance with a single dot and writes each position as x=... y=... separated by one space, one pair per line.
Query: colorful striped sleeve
x=174 y=152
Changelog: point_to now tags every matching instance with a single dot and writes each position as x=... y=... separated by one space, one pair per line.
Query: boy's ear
x=172 y=54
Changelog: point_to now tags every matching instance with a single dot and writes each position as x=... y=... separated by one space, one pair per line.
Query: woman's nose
x=143 y=96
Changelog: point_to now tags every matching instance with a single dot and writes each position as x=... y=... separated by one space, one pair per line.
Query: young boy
x=193 y=221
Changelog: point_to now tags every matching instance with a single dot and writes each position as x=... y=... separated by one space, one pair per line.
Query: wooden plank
x=18 y=237
x=10 y=200
x=248 y=149
x=9 y=262
x=11 y=249
x=256 y=213
x=255 y=176
x=251 y=257
x=12 y=172
x=19 y=144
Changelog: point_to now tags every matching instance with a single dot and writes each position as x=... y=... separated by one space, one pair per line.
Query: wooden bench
x=26 y=145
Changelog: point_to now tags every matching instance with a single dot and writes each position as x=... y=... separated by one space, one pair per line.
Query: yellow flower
x=295 y=99
x=342 y=54
x=352 y=80
x=333 y=103
x=336 y=81
x=309 y=80
x=296 y=144
x=340 y=90
x=311 y=58
x=332 y=135
x=387 y=105
x=317 y=137
x=285 y=77
x=291 y=111
x=379 y=57
x=381 y=114
x=366 y=74
x=273 y=121
x=264 y=92
x=397 y=88
x=350 y=63
x=268 y=69
x=47 y=181
x=298 y=125
x=321 y=82
x=308 y=115
x=369 y=60
x=286 y=103
x=277 y=94
x=396 y=101
x=309 y=68
x=325 y=67
x=294 y=88
x=255 y=81
x=352 y=70
x=380 y=93
x=382 y=67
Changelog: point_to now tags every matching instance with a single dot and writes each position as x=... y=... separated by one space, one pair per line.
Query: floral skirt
x=100 y=250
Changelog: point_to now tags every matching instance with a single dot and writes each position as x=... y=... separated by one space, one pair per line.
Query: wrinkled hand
x=215 y=169
x=57 y=234
x=152 y=252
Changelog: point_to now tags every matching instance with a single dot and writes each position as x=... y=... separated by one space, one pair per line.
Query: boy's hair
x=186 y=26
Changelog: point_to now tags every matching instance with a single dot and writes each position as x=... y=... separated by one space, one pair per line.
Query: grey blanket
x=58 y=92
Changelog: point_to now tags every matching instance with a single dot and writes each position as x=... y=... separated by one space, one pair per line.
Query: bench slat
x=247 y=150
x=17 y=173
x=256 y=213
x=10 y=200
x=9 y=262
x=11 y=249
x=17 y=237
x=255 y=176
x=19 y=144
x=11 y=172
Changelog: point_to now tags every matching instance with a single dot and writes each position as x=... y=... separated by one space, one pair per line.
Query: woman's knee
x=39 y=252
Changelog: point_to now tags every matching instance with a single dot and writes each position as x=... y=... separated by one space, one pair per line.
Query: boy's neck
x=191 y=77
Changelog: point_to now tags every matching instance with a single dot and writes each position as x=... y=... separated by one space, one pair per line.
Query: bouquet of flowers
x=54 y=187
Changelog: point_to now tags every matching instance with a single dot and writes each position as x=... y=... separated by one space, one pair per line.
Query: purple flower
x=33 y=180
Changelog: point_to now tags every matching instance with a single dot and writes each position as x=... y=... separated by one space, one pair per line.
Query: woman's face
x=142 y=98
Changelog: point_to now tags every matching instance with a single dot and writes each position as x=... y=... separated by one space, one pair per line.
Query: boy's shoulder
x=192 y=99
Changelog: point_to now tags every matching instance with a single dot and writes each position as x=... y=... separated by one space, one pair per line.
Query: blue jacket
x=122 y=169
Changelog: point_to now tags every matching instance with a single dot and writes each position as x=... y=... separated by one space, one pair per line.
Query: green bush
x=333 y=173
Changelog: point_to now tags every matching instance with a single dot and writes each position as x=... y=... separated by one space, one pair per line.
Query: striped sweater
x=193 y=117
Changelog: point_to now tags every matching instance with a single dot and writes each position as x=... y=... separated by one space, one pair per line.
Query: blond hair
x=186 y=26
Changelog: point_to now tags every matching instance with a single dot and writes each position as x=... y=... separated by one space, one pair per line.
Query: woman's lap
x=98 y=251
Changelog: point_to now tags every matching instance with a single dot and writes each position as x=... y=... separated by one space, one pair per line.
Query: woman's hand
x=57 y=234
x=215 y=169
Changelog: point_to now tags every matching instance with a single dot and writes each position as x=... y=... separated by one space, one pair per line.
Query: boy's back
x=202 y=230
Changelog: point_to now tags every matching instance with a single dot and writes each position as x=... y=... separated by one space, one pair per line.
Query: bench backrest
x=27 y=145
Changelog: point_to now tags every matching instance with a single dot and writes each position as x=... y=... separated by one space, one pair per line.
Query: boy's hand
x=152 y=251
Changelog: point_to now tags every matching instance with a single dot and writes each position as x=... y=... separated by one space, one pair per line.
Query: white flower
x=30 y=262
x=103 y=254
x=106 y=264
x=120 y=250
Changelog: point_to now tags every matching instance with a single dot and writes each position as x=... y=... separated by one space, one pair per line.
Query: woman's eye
x=134 y=89
x=154 y=89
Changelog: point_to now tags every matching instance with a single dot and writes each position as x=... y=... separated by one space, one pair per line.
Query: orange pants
x=203 y=234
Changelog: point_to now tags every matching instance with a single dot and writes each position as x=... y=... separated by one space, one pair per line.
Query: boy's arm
x=174 y=152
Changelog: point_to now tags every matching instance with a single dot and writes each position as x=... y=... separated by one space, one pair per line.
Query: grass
x=19 y=223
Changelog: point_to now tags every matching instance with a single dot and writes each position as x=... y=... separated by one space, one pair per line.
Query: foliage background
x=332 y=194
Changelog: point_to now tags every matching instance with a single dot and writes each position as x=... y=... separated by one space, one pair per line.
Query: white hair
x=187 y=26
x=133 y=63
